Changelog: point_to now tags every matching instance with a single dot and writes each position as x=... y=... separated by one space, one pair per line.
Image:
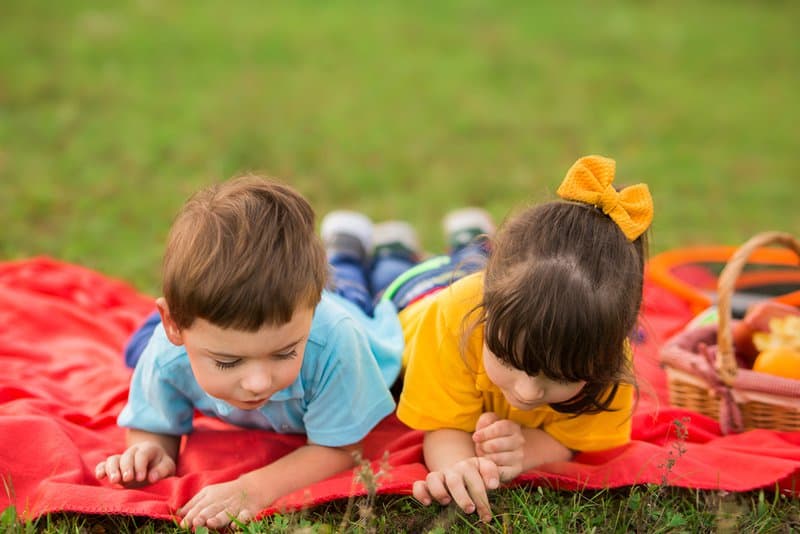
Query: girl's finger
x=421 y=493
x=457 y=487
x=486 y=419
x=501 y=444
x=438 y=488
x=475 y=486
x=489 y=473
x=503 y=459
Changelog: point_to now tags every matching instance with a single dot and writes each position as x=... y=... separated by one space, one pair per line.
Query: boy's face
x=523 y=391
x=243 y=369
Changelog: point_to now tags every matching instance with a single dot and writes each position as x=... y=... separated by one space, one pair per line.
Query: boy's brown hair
x=243 y=254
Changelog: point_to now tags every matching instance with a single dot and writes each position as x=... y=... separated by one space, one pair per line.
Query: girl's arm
x=456 y=473
x=542 y=448
x=445 y=447
x=242 y=499
x=148 y=458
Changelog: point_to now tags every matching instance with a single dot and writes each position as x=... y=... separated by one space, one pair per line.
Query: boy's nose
x=257 y=382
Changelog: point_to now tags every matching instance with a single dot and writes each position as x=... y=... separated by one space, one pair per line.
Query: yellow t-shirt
x=444 y=388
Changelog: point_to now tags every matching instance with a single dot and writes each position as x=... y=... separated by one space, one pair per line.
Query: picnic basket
x=701 y=366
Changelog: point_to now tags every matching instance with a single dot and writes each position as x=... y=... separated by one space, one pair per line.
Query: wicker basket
x=701 y=367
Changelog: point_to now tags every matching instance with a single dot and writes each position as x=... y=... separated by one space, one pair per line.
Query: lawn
x=111 y=114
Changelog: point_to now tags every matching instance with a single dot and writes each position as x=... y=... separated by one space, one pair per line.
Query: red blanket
x=62 y=328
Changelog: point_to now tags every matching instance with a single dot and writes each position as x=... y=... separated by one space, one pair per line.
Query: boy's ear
x=173 y=332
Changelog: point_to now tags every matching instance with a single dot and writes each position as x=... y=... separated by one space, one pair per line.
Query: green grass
x=646 y=509
x=112 y=113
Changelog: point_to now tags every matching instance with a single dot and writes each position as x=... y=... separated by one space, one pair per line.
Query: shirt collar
x=295 y=390
x=482 y=382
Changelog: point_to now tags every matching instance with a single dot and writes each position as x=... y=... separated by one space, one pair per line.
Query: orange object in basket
x=692 y=273
x=780 y=361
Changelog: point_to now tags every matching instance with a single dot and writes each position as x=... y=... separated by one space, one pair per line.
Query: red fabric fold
x=62 y=328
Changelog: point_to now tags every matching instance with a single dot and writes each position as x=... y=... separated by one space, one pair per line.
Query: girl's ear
x=173 y=331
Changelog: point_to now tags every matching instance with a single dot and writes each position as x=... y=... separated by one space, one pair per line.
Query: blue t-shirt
x=340 y=394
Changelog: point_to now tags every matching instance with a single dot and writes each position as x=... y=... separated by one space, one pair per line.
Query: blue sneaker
x=467 y=225
x=398 y=239
x=347 y=233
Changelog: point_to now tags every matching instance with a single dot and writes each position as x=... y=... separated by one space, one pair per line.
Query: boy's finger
x=112 y=468
x=141 y=462
x=219 y=520
x=183 y=511
x=162 y=469
x=126 y=464
x=100 y=470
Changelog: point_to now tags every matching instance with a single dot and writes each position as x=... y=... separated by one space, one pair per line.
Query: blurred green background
x=112 y=113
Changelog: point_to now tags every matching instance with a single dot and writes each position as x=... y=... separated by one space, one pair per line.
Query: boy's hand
x=502 y=442
x=141 y=464
x=217 y=505
x=464 y=482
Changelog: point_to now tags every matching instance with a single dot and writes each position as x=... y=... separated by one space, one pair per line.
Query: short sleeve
x=599 y=431
x=346 y=393
x=439 y=388
x=156 y=404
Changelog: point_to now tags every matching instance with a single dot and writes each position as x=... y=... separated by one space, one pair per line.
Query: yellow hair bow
x=589 y=180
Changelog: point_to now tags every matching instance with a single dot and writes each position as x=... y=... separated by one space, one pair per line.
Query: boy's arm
x=242 y=499
x=169 y=444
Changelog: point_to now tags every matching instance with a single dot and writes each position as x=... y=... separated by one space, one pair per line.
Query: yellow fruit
x=779 y=361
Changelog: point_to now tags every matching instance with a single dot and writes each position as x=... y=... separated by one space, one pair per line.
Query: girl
x=526 y=361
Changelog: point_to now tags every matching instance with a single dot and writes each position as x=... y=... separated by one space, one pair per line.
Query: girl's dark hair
x=563 y=288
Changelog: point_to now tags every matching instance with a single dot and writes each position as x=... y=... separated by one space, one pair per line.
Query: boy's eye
x=286 y=355
x=226 y=365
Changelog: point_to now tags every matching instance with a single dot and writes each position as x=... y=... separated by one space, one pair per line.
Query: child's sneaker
x=347 y=233
x=463 y=226
x=396 y=238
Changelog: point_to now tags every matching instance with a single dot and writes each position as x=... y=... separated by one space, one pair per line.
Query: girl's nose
x=529 y=389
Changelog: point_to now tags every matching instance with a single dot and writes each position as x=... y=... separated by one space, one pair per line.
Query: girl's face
x=523 y=391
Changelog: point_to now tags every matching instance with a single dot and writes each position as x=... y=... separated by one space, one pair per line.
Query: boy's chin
x=250 y=405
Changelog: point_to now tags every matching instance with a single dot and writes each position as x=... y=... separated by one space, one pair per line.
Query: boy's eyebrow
x=276 y=351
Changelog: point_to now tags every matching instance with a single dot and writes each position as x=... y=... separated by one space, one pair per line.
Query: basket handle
x=726 y=358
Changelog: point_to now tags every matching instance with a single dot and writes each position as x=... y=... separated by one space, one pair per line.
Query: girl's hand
x=141 y=464
x=464 y=482
x=502 y=442
x=217 y=505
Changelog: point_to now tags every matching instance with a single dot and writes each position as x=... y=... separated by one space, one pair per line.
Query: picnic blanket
x=63 y=382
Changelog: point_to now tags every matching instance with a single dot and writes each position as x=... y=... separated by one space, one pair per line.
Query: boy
x=248 y=335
